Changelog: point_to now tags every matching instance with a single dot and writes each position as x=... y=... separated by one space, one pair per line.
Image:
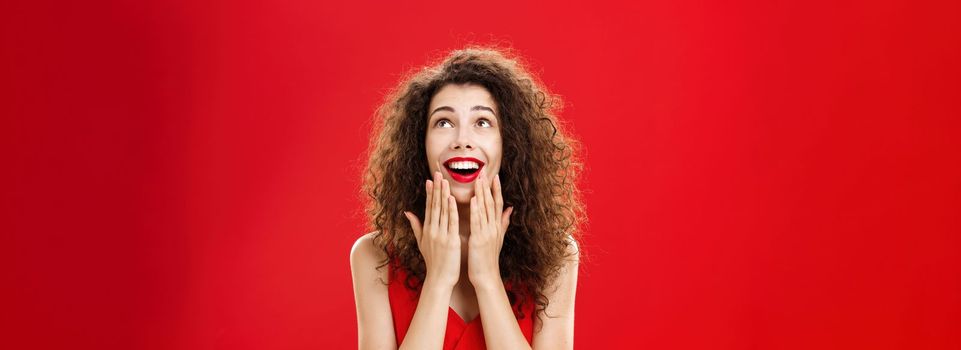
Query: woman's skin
x=461 y=239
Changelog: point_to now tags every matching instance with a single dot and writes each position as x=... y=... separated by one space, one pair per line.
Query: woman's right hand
x=438 y=238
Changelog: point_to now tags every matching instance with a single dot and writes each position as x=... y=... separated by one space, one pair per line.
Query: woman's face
x=463 y=135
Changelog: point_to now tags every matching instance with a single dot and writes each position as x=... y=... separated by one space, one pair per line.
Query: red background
x=760 y=175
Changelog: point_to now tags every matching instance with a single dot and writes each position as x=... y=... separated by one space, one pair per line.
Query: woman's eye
x=439 y=122
x=485 y=121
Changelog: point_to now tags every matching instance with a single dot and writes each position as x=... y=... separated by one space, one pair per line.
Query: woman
x=484 y=252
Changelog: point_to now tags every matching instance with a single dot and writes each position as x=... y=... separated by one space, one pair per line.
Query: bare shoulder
x=363 y=248
x=573 y=252
x=567 y=275
x=562 y=285
x=556 y=329
x=374 y=321
x=365 y=256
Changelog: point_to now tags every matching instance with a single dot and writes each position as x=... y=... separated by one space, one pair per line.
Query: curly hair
x=540 y=168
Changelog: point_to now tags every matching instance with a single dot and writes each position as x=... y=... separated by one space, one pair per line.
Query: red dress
x=459 y=335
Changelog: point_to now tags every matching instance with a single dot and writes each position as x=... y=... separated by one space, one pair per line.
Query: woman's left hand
x=488 y=224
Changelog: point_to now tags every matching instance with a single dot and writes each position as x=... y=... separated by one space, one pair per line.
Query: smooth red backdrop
x=760 y=174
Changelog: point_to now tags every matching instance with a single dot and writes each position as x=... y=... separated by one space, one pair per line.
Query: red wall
x=760 y=175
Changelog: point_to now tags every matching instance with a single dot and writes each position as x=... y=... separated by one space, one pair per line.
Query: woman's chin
x=462 y=198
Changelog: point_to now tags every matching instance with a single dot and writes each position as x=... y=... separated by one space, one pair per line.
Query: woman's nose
x=464 y=139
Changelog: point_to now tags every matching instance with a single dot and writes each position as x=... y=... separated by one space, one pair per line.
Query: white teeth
x=464 y=165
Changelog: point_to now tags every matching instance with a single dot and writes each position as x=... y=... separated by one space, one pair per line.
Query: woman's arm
x=430 y=319
x=489 y=223
x=557 y=329
x=501 y=330
x=374 y=320
x=375 y=324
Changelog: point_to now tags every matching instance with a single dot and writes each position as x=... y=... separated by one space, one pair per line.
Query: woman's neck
x=463 y=214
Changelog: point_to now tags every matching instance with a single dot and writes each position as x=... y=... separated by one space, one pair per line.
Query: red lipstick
x=465 y=178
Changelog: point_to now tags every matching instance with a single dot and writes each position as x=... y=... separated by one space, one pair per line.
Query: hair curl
x=540 y=168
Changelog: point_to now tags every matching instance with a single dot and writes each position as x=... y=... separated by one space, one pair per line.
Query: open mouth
x=463 y=169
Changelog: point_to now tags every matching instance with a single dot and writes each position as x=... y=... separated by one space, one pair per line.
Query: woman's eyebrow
x=441 y=108
x=477 y=108
x=450 y=109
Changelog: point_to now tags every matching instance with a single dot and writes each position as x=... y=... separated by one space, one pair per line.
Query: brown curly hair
x=539 y=171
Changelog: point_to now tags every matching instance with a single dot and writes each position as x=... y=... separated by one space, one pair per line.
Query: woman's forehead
x=463 y=98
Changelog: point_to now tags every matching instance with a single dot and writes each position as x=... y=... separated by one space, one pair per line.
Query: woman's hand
x=438 y=238
x=488 y=223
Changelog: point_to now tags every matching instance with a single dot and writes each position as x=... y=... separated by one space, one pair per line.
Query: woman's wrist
x=489 y=287
x=487 y=281
x=437 y=284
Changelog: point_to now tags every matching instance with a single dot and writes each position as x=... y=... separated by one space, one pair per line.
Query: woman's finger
x=435 y=207
x=474 y=216
x=492 y=217
x=430 y=191
x=506 y=219
x=444 y=206
x=414 y=225
x=454 y=220
x=479 y=194
x=498 y=197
